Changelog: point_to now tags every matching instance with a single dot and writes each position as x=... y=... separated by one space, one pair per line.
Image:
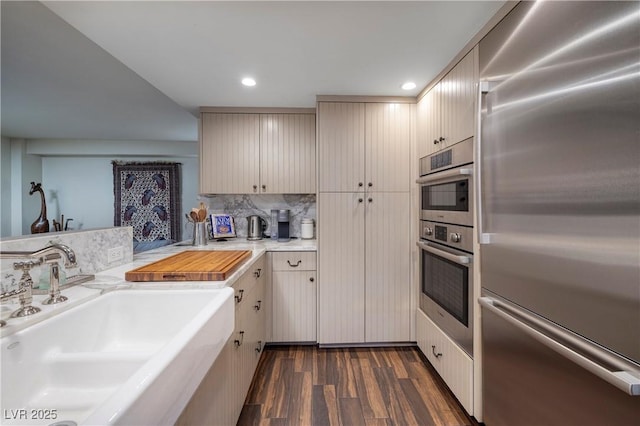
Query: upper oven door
x=447 y=196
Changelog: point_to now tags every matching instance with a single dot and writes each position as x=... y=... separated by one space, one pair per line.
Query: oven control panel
x=460 y=237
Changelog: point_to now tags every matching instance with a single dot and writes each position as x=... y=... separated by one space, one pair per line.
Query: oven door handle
x=467 y=171
x=460 y=260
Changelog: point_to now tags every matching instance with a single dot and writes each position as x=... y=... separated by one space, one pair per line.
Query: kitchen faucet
x=48 y=255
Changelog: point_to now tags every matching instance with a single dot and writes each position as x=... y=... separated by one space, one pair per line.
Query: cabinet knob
x=257 y=273
x=258 y=305
x=441 y=139
x=259 y=347
x=370 y=200
x=255 y=188
x=370 y=184
x=360 y=184
x=264 y=187
x=435 y=141
x=311 y=279
x=360 y=200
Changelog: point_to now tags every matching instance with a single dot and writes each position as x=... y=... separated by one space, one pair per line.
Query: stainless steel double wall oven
x=446 y=241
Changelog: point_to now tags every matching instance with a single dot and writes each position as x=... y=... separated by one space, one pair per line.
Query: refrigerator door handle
x=623 y=379
x=437 y=176
x=460 y=260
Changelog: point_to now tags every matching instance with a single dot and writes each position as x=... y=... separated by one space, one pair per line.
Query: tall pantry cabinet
x=363 y=216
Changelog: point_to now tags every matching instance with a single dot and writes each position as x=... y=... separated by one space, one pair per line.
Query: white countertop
x=113 y=279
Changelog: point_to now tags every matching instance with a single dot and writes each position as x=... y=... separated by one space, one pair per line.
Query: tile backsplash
x=240 y=206
x=90 y=246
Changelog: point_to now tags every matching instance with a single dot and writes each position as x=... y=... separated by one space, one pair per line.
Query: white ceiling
x=140 y=70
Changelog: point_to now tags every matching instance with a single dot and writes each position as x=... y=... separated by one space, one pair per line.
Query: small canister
x=307 y=229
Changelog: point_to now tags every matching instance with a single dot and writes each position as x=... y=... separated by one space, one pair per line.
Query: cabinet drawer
x=452 y=363
x=294 y=261
x=254 y=275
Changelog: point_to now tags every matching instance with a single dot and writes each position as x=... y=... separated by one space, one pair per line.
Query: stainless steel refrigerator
x=559 y=224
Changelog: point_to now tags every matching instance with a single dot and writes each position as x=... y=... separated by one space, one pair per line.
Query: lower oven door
x=446 y=282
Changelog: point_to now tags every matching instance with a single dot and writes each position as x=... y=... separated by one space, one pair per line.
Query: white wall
x=81 y=188
x=5 y=189
x=18 y=169
x=77 y=178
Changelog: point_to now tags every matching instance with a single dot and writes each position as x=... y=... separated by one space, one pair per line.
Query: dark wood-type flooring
x=306 y=385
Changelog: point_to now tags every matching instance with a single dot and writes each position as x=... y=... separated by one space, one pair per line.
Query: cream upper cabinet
x=364 y=146
x=341 y=146
x=428 y=123
x=387 y=146
x=446 y=114
x=457 y=100
x=257 y=153
x=229 y=153
x=288 y=153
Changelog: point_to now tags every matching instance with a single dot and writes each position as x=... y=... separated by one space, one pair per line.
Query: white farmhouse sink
x=130 y=357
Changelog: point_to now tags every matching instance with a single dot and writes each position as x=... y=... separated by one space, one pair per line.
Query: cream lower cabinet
x=452 y=363
x=221 y=394
x=294 y=299
x=363 y=264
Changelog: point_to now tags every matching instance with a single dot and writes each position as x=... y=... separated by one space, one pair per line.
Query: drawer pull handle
x=433 y=349
x=296 y=265
x=257 y=273
x=259 y=348
x=257 y=307
x=239 y=298
x=239 y=342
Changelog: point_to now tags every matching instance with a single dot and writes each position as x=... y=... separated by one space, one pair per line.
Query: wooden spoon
x=194 y=215
x=202 y=214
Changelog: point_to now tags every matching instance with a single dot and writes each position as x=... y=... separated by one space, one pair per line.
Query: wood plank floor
x=306 y=385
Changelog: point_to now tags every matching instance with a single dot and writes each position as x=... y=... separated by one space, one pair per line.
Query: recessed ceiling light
x=248 y=81
x=409 y=85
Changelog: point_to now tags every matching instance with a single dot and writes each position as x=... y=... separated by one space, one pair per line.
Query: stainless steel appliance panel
x=456 y=155
x=455 y=236
x=534 y=382
x=446 y=295
x=560 y=174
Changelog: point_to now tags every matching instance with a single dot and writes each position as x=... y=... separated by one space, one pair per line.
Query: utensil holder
x=200 y=234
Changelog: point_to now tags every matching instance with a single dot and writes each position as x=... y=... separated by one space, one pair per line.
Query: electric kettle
x=255 y=227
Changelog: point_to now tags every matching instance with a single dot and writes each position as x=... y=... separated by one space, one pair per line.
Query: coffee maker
x=283 y=218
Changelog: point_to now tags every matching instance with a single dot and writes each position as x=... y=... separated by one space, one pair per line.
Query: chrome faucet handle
x=24 y=289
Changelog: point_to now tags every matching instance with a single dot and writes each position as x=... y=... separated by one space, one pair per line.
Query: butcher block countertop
x=191 y=265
